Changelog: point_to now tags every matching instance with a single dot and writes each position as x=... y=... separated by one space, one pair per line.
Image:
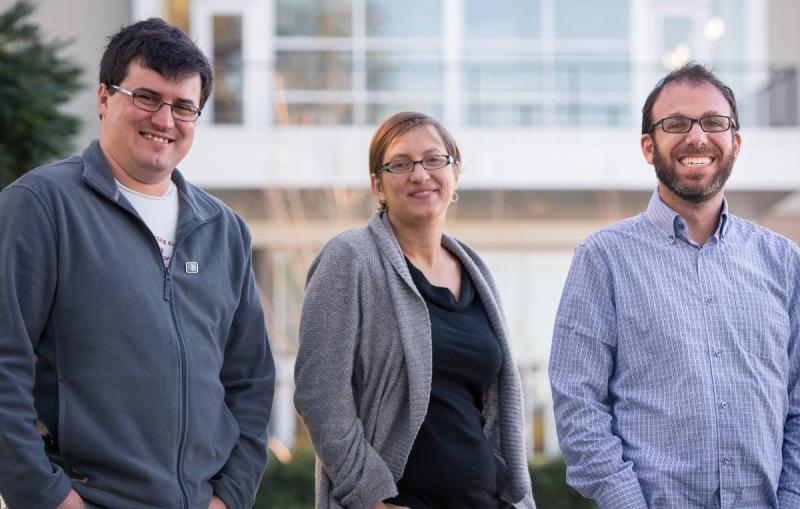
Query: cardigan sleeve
x=328 y=341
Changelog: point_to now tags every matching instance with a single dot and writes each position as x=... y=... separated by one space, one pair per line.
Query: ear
x=648 y=147
x=377 y=189
x=737 y=143
x=456 y=174
x=102 y=100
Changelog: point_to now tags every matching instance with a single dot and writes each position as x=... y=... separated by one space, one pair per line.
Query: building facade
x=544 y=97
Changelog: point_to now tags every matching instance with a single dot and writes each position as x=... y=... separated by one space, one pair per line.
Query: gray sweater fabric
x=363 y=369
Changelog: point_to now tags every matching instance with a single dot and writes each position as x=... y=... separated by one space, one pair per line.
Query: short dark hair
x=158 y=46
x=398 y=124
x=695 y=73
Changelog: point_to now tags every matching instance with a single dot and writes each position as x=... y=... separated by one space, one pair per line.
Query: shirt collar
x=673 y=226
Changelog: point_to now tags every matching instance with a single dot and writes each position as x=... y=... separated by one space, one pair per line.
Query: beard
x=691 y=188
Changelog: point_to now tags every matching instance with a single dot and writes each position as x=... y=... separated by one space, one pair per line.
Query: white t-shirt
x=160 y=214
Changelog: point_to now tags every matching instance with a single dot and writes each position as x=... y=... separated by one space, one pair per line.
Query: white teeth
x=696 y=161
x=149 y=136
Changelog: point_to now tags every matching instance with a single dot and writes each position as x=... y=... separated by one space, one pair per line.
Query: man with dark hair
x=135 y=370
x=675 y=362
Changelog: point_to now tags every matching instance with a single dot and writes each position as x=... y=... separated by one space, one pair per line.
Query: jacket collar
x=97 y=174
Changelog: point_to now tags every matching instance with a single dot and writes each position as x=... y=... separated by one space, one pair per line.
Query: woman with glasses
x=404 y=377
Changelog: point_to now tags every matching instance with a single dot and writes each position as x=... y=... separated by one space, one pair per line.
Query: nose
x=419 y=173
x=696 y=135
x=163 y=117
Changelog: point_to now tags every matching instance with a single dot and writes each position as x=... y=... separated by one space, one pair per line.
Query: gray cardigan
x=363 y=370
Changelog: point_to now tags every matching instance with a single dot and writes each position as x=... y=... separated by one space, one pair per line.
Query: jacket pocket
x=63 y=443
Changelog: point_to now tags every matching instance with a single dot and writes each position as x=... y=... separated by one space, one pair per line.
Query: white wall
x=577 y=159
x=87 y=24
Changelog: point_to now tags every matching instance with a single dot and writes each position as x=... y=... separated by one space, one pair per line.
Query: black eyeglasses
x=435 y=162
x=148 y=101
x=679 y=124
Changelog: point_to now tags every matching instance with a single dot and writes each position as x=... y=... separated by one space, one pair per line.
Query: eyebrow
x=429 y=152
x=704 y=114
x=179 y=100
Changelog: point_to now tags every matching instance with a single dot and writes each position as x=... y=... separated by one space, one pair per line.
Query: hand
x=383 y=505
x=73 y=501
x=217 y=503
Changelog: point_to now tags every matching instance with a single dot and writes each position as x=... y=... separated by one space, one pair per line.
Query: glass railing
x=488 y=91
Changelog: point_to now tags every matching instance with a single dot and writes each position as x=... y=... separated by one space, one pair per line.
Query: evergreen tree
x=34 y=82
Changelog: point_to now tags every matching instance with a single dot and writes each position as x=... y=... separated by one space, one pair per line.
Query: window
x=502 y=71
x=591 y=19
x=515 y=62
x=578 y=73
x=406 y=18
x=312 y=18
x=399 y=70
x=312 y=70
x=229 y=86
x=509 y=19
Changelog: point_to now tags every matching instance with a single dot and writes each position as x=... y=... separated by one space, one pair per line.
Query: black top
x=451 y=464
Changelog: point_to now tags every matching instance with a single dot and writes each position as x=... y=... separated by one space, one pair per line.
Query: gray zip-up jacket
x=139 y=386
x=363 y=369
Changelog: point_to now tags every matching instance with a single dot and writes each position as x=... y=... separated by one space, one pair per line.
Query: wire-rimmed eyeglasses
x=679 y=124
x=432 y=162
x=148 y=101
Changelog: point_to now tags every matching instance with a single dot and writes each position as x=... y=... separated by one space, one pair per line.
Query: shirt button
x=726 y=460
x=709 y=299
x=717 y=352
x=724 y=405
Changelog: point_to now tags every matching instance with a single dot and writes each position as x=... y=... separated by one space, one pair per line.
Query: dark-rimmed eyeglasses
x=148 y=101
x=434 y=162
x=710 y=123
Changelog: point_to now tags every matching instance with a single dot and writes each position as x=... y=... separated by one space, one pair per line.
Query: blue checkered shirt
x=674 y=367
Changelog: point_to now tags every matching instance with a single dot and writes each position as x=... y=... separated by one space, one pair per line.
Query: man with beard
x=675 y=360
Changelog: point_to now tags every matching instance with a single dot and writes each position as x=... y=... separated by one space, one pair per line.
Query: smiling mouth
x=157 y=139
x=421 y=193
x=696 y=161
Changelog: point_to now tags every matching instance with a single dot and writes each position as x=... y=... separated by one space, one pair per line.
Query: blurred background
x=543 y=96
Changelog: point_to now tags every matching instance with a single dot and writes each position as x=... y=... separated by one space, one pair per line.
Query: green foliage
x=550 y=489
x=34 y=81
x=291 y=485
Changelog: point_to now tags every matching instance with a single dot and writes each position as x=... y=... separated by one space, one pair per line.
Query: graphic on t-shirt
x=166 y=246
x=160 y=214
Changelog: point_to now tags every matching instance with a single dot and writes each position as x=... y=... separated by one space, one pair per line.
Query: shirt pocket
x=762 y=323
